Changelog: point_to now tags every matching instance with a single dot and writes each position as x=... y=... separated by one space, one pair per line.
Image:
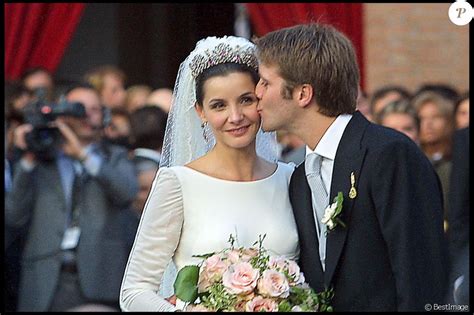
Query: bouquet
x=247 y=280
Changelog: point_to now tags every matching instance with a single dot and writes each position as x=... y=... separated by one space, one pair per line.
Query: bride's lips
x=237 y=132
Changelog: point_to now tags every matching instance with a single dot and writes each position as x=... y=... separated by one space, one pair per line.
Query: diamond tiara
x=223 y=53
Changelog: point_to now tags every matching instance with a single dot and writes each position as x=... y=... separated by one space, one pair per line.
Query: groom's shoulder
x=297 y=171
x=382 y=142
x=377 y=136
x=362 y=133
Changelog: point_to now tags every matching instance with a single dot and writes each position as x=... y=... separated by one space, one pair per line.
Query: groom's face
x=275 y=109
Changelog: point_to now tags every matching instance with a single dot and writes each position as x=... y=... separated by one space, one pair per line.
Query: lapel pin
x=352 y=191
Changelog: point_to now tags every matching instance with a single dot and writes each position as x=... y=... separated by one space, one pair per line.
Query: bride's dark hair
x=222 y=69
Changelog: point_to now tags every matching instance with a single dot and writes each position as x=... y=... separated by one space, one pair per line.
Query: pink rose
x=240 y=278
x=204 y=283
x=274 y=284
x=242 y=300
x=240 y=306
x=248 y=253
x=300 y=280
x=241 y=255
x=215 y=267
x=277 y=262
x=211 y=272
x=289 y=266
x=260 y=304
x=296 y=277
x=233 y=256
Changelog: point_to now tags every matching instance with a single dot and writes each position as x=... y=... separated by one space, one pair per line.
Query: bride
x=218 y=175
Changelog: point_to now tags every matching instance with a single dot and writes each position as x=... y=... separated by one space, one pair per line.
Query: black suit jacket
x=458 y=215
x=392 y=254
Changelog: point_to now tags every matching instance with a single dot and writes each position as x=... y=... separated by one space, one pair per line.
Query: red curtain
x=37 y=34
x=346 y=17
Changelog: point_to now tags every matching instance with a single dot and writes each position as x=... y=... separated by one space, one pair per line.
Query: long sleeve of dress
x=155 y=243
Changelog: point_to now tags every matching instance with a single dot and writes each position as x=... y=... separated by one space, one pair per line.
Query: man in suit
x=389 y=254
x=74 y=251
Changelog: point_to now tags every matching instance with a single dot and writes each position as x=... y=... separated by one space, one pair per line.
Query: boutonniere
x=332 y=212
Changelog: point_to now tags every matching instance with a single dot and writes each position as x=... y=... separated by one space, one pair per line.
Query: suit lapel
x=349 y=158
x=303 y=207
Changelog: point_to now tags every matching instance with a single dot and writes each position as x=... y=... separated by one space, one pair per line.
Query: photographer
x=39 y=78
x=71 y=202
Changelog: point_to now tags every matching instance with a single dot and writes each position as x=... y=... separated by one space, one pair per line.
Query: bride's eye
x=247 y=100
x=217 y=105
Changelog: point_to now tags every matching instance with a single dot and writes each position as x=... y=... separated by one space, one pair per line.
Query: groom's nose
x=259 y=90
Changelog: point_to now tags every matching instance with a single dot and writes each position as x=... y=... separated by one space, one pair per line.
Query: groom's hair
x=222 y=69
x=318 y=55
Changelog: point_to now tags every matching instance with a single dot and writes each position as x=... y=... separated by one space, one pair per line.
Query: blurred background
x=396 y=43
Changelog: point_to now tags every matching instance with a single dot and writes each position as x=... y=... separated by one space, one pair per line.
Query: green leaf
x=338 y=199
x=205 y=256
x=284 y=306
x=185 y=285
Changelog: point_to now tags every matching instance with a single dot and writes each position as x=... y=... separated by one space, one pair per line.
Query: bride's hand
x=172 y=299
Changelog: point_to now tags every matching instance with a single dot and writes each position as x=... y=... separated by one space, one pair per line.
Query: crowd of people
x=91 y=177
x=76 y=171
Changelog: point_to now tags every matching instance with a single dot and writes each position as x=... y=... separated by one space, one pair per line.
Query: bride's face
x=230 y=108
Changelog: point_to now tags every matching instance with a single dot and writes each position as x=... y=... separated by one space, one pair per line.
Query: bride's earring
x=204 y=134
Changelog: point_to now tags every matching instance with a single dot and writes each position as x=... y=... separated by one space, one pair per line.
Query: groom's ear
x=304 y=94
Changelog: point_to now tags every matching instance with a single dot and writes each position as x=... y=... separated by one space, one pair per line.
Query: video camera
x=44 y=139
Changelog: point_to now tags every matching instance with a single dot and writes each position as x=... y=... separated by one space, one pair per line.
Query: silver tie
x=320 y=199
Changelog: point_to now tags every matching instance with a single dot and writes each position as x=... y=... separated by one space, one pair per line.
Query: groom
x=389 y=253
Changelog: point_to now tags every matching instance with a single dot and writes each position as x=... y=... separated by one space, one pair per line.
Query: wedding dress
x=190 y=213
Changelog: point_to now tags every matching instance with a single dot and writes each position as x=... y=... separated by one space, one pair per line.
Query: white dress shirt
x=327 y=148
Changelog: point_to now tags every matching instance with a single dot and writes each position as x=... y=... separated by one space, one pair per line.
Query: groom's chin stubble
x=266 y=130
x=262 y=127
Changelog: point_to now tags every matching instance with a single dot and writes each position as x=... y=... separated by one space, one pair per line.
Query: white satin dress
x=190 y=213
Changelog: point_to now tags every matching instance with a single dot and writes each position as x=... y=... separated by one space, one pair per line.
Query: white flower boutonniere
x=331 y=213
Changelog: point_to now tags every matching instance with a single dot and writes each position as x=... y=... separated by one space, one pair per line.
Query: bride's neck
x=236 y=164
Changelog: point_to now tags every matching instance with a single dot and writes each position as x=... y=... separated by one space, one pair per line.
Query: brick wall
x=411 y=44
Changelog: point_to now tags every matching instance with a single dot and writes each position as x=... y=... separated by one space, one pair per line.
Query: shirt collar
x=328 y=144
